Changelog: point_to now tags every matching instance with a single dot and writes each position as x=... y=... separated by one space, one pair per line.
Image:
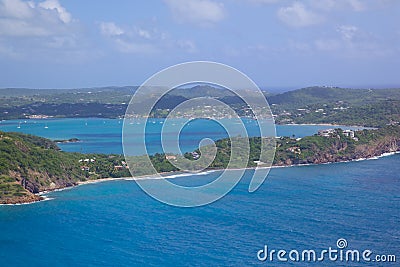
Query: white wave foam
x=45 y=198
x=173 y=176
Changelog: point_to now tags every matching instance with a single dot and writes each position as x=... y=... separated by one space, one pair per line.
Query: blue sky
x=287 y=43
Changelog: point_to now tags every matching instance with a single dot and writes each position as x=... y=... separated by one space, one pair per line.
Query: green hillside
x=337 y=147
x=365 y=107
x=30 y=164
x=320 y=94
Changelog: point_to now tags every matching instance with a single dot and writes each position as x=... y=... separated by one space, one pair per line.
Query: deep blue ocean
x=116 y=224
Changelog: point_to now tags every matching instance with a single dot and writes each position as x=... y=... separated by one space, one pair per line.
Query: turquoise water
x=105 y=135
x=117 y=224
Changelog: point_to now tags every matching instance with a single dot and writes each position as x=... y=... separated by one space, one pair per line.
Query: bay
x=105 y=135
x=116 y=224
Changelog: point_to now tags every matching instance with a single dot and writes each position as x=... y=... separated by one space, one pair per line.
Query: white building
x=349 y=133
x=326 y=133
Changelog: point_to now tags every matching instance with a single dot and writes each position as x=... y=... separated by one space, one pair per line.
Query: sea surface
x=297 y=208
x=117 y=224
x=105 y=135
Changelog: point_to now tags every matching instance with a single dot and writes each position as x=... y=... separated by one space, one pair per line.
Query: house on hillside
x=195 y=155
x=326 y=133
x=348 y=133
x=170 y=157
x=85 y=168
x=351 y=134
x=294 y=149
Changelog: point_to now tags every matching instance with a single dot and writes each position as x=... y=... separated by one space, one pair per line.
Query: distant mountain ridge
x=366 y=107
x=13 y=92
x=318 y=104
x=317 y=94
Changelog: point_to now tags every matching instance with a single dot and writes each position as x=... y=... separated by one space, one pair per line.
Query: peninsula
x=31 y=164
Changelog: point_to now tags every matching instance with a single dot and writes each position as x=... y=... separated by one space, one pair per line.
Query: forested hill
x=318 y=95
x=318 y=104
x=366 y=107
x=29 y=164
x=336 y=146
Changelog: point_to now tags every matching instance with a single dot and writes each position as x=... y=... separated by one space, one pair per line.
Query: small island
x=71 y=140
x=30 y=164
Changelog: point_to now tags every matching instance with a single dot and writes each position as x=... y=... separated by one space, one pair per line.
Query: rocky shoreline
x=324 y=158
x=310 y=150
x=34 y=198
x=66 y=141
x=27 y=199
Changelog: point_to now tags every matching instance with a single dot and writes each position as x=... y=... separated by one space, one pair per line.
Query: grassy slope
x=29 y=164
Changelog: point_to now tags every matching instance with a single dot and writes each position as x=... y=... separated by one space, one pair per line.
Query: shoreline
x=101 y=118
x=173 y=175
x=329 y=124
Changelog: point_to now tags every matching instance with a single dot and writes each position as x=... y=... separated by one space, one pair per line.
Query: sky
x=277 y=43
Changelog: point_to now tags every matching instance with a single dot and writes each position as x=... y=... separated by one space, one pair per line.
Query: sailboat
x=46 y=127
x=19 y=125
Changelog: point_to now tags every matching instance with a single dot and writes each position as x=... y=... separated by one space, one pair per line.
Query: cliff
x=337 y=147
x=31 y=164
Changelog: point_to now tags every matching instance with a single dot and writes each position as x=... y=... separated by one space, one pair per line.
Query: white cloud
x=21 y=28
x=144 y=33
x=347 y=32
x=42 y=30
x=352 y=42
x=264 y=1
x=297 y=15
x=357 y=5
x=347 y=38
x=141 y=40
x=187 y=45
x=131 y=39
x=55 y=5
x=24 y=19
x=323 y=4
x=110 y=29
x=329 y=5
x=201 y=12
x=126 y=46
x=16 y=9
